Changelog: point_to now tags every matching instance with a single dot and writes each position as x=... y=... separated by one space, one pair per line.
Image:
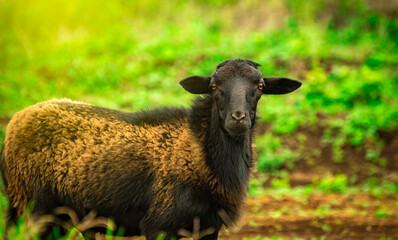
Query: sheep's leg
x=155 y=224
x=153 y=228
x=213 y=236
x=44 y=204
x=130 y=222
x=155 y=234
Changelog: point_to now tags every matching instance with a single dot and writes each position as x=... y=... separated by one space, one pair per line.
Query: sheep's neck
x=227 y=157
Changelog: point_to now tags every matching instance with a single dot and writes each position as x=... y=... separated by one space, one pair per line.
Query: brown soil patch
x=333 y=216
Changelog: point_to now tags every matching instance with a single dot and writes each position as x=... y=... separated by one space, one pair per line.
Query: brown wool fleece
x=85 y=152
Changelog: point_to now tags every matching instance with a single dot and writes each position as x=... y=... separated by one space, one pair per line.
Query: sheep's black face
x=236 y=86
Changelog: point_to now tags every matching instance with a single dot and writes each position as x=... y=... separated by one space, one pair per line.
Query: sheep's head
x=236 y=86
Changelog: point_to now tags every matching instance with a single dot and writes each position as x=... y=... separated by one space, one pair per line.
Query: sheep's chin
x=237 y=132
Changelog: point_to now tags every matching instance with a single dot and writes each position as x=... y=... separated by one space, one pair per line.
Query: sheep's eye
x=213 y=87
x=260 y=86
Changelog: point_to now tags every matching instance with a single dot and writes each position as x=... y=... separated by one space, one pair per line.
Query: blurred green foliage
x=272 y=154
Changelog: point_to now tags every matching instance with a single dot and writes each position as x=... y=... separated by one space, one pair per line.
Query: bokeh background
x=338 y=134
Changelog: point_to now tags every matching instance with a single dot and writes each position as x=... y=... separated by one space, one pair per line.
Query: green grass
x=328 y=184
x=130 y=55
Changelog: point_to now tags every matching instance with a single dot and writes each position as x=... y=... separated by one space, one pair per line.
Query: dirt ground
x=332 y=216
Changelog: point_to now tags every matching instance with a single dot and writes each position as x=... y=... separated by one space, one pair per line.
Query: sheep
x=151 y=171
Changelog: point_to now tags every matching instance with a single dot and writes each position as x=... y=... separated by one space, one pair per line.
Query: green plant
x=336 y=184
x=271 y=153
x=382 y=213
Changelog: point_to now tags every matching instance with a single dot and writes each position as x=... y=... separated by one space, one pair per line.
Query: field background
x=327 y=153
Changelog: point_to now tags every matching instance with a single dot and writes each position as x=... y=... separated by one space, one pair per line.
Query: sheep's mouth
x=237 y=129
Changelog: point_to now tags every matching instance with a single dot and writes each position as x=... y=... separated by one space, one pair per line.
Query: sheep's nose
x=238 y=116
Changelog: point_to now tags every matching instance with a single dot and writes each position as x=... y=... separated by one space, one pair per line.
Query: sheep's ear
x=196 y=84
x=276 y=85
